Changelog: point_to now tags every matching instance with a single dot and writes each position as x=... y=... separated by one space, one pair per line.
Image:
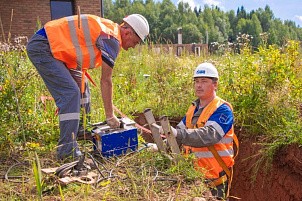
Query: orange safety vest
x=73 y=40
x=206 y=162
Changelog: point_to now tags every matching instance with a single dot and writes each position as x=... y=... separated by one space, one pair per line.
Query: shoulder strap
x=219 y=160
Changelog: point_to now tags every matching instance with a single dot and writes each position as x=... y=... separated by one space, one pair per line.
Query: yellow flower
x=32 y=144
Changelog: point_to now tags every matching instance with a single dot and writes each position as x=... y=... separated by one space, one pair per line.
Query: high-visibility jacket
x=205 y=160
x=73 y=41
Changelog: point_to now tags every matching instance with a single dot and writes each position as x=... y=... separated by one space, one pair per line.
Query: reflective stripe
x=208 y=154
x=76 y=73
x=103 y=27
x=69 y=116
x=216 y=126
x=181 y=125
x=108 y=56
x=205 y=158
x=76 y=46
x=226 y=140
x=75 y=41
x=88 y=41
x=85 y=101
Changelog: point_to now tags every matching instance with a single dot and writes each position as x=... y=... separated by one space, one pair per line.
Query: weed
x=38 y=175
x=264 y=87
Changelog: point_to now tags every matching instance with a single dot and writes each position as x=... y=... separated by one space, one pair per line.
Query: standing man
x=62 y=52
x=207 y=131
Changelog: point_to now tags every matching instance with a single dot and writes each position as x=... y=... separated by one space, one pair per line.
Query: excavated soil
x=281 y=180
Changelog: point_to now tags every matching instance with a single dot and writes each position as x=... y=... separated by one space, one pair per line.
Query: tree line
x=205 y=25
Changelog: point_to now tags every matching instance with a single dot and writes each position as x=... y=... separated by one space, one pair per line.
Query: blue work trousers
x=63 y=88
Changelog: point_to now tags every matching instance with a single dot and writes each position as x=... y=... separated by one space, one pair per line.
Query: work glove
x=113 y=122
x=173 y=130
x=152 y=147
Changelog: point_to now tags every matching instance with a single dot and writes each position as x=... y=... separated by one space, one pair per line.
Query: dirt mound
x=281 y=181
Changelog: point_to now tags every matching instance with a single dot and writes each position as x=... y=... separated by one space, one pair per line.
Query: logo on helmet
x=200 y=72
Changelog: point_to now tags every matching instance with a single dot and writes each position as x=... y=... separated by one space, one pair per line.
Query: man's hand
x=173 y=130
x=152 y=146
x=113 y=122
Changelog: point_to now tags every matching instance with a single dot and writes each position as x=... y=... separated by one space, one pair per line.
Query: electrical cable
x=10 y=178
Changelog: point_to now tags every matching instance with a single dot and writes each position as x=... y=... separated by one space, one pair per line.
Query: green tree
x=281 y=32
x=152 y=12
x=137 y=7
x=206 y=25
x=222 y=23
x=168 y=13
x=241 y=13
x=265 y=16
x=191 y=34
x=232 y=20
x=185 y=14
x=108 y=9
x=255 y=29
x=242 y=26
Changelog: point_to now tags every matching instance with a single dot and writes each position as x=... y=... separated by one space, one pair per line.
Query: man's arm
x=182 y=123
x=213 y=131
x=106 y=89
x=110 y=48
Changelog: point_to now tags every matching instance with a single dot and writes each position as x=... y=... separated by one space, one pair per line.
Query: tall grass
x=38 y=175
x=263 y=86
x=23 y=117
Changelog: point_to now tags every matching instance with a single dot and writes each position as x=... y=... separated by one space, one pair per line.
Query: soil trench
x=252 y=180
x=281 y=181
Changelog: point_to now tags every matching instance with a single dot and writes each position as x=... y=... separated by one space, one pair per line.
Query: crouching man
x=207 y=131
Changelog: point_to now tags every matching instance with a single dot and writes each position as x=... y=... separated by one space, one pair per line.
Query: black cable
x=95 y=163
x=64 y=169
x=10 y=178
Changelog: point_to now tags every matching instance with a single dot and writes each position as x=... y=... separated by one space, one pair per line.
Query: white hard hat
x=206 y=70
x=139 y=24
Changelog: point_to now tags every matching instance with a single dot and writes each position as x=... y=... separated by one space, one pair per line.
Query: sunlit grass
x=264 y=87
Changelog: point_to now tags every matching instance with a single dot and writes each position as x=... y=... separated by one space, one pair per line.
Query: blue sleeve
x=184 y=119
x=224 y=117
x=42 y=32
x=109 y=47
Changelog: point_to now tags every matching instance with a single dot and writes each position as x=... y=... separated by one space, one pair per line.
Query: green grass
x=140 y=176
x=264 y=88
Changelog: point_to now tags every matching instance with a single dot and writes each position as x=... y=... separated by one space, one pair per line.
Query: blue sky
x=282 y=9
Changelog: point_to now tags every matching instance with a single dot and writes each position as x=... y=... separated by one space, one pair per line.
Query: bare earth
x=282 y=181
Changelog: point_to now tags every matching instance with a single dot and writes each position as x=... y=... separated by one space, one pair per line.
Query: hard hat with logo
x=139 y=24
x=206 y=70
